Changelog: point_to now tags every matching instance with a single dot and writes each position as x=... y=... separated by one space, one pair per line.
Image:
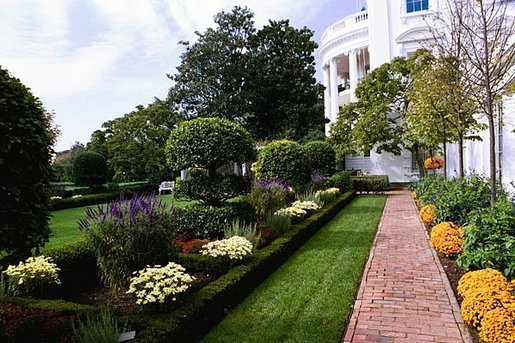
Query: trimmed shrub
x=202 y=221
x=447 y=238
x=342 y=180
x=127 y=235
x=25 y=155
x=208 y=143
x=371 y=183
x=213 y=189
x=86 y=200
x=89 y=168
x=320 y=157
x=283 y=160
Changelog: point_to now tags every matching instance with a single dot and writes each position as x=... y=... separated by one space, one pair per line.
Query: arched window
x=416 y=5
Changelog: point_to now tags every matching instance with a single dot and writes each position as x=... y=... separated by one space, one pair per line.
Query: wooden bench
x=166 y=186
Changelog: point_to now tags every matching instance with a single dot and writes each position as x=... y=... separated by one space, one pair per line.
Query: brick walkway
x=405 y=295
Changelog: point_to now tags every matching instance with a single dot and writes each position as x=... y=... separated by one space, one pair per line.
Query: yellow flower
x=447 y=238
x=428 y=214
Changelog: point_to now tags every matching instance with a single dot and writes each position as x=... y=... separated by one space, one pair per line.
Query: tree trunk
x=491 y=131
x=461 y=170
x=445 y=160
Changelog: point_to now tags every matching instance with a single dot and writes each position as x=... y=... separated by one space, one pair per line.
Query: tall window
x=416 y=5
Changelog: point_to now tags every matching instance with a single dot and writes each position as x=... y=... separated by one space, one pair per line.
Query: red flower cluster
x=18 y=323
x=193 y=246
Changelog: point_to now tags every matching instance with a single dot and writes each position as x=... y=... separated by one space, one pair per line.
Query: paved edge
x=351 y=327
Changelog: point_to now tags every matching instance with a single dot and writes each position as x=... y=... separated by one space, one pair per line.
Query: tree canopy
x=25 y=155
x=262 y=79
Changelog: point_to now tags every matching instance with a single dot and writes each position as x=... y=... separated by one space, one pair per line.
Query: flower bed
x=184 y=320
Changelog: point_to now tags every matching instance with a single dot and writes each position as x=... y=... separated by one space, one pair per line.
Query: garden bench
x=166 y=186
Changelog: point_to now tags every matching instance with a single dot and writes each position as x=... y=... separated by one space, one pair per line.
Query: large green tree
x=376 y=121
x=440 y=110
x=262 y=79
x=25 y=154
x=135 y=142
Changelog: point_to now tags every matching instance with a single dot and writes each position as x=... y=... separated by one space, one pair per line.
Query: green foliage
x=454 y=199
x=104 y=327
x=89 y=168
x=189 y=322
x=202 y=221
x=25 y=155
x=490 y=239
x=262 y=79
x=310 y=196
x=85 y=200
x=204 y=264
x=128 y=235
x=268 y=196
x=279 y=223
x=283 y=160
x=135 y=143
x=213 y=189
x=371 y=183
x=208 y=143
x=321 y=157
x=341 y=180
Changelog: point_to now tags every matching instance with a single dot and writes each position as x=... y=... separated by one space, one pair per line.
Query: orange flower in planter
x=435 y=162
x=447 y=238
x=428 y=214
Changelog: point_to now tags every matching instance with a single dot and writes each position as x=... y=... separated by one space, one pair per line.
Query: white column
x=327 y=99
x=333 y=80
x=353 y=73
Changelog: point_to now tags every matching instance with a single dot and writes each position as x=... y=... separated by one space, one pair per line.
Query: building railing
x=349 y=23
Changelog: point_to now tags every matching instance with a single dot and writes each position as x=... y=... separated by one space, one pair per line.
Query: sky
x=93 y=61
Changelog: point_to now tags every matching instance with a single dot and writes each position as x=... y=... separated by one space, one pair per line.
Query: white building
x=363 y=41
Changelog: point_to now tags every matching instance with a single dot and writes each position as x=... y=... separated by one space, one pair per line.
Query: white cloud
x=98 y=59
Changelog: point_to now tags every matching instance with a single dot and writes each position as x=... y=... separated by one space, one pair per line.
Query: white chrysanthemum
x=306 y=205
x=155 y=284
x=235 y=247
x=291 y=212
x=330 y=191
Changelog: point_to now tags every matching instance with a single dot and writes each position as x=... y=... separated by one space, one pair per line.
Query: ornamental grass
x=447 y=238
x=498 y=326
x=428 y=214
x=435 y=162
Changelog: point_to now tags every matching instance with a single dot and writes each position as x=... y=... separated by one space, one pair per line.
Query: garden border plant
x=207 y=306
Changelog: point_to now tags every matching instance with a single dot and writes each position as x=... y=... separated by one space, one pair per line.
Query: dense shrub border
x=86 y=200
x=195 y=317
x=371 y=183
x=207 y=307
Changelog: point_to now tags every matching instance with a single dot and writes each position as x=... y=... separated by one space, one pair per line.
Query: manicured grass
x=309 y=298
x=63 y=223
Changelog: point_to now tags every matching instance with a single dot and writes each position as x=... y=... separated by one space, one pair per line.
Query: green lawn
x=309 y=298
x=63 y=223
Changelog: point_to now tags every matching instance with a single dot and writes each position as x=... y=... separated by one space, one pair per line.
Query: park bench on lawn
x=166 y=186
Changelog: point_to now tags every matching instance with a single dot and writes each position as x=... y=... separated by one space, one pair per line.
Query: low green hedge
x=86 y=200
x=207 y=307
x=371 y=183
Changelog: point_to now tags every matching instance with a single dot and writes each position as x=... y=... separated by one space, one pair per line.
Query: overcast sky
x=92 y=61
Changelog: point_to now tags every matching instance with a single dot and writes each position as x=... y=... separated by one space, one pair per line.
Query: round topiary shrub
x=320 y=156
x=208 y=143
x=89 y=169
x=428 y=214
x=283 y=160
x=25 y=155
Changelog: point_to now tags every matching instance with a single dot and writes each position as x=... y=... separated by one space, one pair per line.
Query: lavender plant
x=127 y=235
x=267 y=196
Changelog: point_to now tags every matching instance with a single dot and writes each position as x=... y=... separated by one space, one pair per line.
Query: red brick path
x=405 y=295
